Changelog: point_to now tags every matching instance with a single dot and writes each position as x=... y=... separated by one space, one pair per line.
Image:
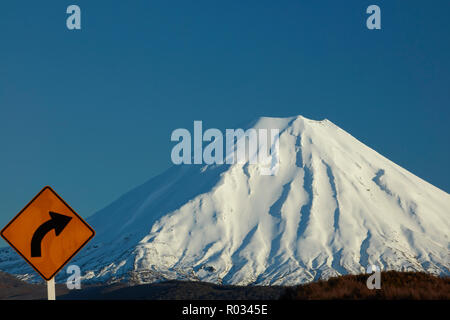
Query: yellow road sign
x=47 y=233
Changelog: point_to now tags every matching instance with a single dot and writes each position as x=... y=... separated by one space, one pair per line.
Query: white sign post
x=51 y=289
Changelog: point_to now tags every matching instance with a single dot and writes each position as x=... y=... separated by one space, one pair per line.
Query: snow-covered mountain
x=334 y=207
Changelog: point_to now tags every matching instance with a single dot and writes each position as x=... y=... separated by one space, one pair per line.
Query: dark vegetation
x=178 y=290
x=12 y=288
x=394 y=285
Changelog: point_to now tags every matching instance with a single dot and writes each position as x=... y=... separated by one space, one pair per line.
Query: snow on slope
x=334 y=207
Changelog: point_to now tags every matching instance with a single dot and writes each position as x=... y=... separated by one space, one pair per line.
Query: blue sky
x=90 y=112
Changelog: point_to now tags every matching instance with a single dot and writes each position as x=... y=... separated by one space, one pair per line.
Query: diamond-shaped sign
x=47 y=233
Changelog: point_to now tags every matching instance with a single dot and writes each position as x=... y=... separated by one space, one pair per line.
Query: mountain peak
x=334 y=207
x=289 y=120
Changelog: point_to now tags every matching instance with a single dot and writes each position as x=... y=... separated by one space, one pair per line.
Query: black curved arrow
x=57 y=222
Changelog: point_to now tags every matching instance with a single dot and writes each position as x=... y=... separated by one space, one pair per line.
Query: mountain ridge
x=334 y=207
